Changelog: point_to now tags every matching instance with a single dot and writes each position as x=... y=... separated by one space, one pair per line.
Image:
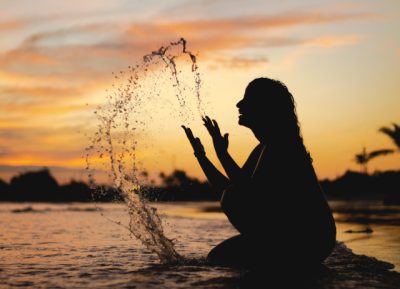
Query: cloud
x=39 y=93
x=76 y=35
x=46 y=145
x=10 y=25
x=101 y=46
x=209 y=35
x=262 y=22
x=4 y=150
x=53 y=73
x=334 y=40
x=239 y=62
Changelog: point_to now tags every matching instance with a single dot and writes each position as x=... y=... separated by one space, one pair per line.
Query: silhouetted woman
x=274 y=200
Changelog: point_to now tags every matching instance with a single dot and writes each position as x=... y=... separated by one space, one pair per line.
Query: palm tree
x=394 y=133
x=363 y=158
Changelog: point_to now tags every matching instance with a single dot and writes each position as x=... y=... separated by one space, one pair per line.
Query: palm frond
x=387 y=131
x=393 y=134
x=381 y=152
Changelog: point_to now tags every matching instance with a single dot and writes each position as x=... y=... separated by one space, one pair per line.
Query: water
x=57 y=245
x=384 y=221
x=125 y=123
x=72 y=245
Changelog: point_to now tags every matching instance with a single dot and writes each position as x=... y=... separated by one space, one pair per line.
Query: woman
x=274 y=200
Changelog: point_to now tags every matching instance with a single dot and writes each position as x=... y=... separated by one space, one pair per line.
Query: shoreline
x=350 y=270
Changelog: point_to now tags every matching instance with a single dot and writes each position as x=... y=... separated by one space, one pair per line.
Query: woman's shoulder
x=259 y=147
x=255 y=153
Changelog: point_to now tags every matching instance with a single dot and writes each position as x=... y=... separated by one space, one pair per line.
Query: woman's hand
x=195 y=142
x=220 y=142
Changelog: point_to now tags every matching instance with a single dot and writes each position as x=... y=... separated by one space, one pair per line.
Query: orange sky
x=339 y=59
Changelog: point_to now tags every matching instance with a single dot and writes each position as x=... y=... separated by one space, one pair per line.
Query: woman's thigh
x=244 y=252
x=237 y=251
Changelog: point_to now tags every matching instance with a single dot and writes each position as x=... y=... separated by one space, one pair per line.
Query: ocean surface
x=83 y=245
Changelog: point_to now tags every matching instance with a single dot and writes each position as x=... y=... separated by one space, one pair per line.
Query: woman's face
x=248 y=110
x=266 y=108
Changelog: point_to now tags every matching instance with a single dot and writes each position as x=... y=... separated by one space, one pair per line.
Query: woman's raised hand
x=220 y=142
x=198 y=147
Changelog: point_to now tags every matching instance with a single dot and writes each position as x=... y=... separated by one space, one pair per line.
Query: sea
x=87 y=245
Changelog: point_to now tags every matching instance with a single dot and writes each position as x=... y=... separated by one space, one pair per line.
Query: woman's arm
x=231 y=168
x=214 y=176
x=234 y=172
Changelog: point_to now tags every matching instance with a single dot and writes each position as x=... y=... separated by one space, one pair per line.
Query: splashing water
x=135 y=98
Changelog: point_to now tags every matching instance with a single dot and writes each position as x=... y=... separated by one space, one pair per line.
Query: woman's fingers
x=212 y=126
x=186 y=130
x=226 y=136
x=207 y=121
x=189 y=134
x=217 y=130
x=194 y=141
x=208 y=125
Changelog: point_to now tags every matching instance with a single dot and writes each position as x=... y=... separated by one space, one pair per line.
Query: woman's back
x=290 y=200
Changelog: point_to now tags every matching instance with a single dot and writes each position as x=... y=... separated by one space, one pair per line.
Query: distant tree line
x=358 y=185
x=41 y=186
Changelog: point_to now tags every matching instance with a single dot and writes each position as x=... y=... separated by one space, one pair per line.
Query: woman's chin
x=242 y=121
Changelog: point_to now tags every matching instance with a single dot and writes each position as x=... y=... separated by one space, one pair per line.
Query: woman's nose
x=239 y=104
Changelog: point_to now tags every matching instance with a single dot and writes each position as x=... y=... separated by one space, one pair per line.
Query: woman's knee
x=226 y=249
x=214 y=255
x=236 y=251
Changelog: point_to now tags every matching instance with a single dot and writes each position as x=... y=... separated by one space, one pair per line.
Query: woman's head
x=268 y=108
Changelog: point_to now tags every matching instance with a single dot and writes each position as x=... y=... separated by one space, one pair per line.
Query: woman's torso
x=287 y=194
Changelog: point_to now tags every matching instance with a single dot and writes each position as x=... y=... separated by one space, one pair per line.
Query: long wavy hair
x=275 y=109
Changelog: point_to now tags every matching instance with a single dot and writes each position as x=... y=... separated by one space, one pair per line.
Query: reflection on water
x=384 y=221
x=51 y=245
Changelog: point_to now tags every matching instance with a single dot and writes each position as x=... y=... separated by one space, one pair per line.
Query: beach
x=79 y=245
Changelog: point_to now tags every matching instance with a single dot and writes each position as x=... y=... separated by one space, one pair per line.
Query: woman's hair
x=277 y=108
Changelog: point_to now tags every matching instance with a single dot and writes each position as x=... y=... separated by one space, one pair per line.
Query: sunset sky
x=340 y=60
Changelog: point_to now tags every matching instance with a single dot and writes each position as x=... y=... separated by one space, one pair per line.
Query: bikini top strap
x=258 y=161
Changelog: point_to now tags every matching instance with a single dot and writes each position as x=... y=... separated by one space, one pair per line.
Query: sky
x=340 y=60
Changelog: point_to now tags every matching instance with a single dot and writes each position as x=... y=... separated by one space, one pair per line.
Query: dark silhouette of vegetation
x=40 y=186
x=363 y=158
x=394 y=134
x=178 y=186
x=3 y=186
x=354 y=185
x=31 y=186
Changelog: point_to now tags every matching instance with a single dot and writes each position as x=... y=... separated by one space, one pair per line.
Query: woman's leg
x=233 y=252
x=245 y=252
